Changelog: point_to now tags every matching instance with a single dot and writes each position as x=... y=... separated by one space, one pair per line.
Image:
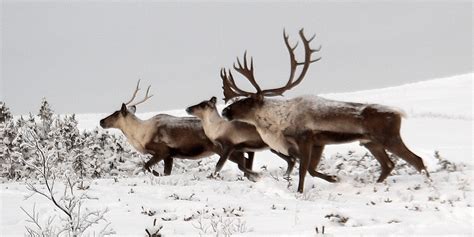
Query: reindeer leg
x=313 y=165
x=242 y=163
x=154 y=160
x=305 y=148
x=378 y=151
x=249 y=160
x=248 y=163
x=289 y=160
x=389 y=137
x=397 y=147
x=159 y=153
x=168 y=165
x=227 y=150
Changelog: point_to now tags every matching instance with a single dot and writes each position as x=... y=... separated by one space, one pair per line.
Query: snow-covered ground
x=188 y=203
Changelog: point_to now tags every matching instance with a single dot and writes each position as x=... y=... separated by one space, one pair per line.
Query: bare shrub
x=225 y=223
x=73 y=220
x=154 y=231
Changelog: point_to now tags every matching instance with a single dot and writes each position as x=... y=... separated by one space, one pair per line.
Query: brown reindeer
x=166 y=137
x=231 y=135
x=302 y=126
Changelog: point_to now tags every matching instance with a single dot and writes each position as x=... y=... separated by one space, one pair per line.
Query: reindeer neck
x=212 y=117
x=132 y=127
x=211 y=122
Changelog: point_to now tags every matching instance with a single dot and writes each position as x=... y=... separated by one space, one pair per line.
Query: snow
x=439 y=119
x=446 y=97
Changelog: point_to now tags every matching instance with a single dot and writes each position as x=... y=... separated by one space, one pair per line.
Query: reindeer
x=166 y=137
x=302 y=126
x=231 y=135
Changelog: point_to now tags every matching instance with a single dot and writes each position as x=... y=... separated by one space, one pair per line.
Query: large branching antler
x=135 y=95
x=294 y=64
x=231 y=90
x=247 y=71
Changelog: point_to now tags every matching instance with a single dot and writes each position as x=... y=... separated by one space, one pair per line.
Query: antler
x=135 y=94
x=294 y=64
x=247 y=72
x=231 y=90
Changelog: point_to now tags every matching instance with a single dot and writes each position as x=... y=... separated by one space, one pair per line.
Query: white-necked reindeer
x=302 y=126
x=231 y=135
x=166 y=137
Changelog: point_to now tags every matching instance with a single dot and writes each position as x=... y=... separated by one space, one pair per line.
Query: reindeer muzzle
x=226 y=113
x=189 y=110
x=102 y=123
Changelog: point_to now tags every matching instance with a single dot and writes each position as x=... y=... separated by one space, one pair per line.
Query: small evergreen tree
x=21 y=122
x=79 y=166
x=79 y=159
x=46 y=116
x=5 y=114
x=93 y=154
x=15 y=155
x=3 y=148
x=55 y=140
x=31 y=120
x=70 y=132
x=30 y=123
x=8 y=159
x=45 y=113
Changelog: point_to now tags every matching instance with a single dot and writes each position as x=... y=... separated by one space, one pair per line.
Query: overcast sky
x=87 y=56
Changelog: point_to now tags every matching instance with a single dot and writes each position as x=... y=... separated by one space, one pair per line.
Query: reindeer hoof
x=425 y=172
x=155 y=173
x=332 y=179
x=253 y=177
x=214 y=175
x=382 y=178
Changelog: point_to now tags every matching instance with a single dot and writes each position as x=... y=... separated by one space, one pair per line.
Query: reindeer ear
x=123 y=110
x=132 y=109
x=213 y=100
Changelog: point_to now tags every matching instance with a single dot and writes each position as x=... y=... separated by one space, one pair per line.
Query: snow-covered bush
x=90 y=154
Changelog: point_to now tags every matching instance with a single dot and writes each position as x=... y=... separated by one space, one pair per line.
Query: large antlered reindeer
x=166 y=137
x=302 y=126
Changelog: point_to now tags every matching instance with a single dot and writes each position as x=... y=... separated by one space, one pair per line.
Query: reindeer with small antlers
x=231 y=135
x=166 y=137
x=302 y=126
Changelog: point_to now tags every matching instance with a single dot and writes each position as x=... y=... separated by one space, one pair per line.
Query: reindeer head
x=202 y=108
x=127 y=111
x=244 y=109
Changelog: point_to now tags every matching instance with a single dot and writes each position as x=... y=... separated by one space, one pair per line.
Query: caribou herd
x=295 y=129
